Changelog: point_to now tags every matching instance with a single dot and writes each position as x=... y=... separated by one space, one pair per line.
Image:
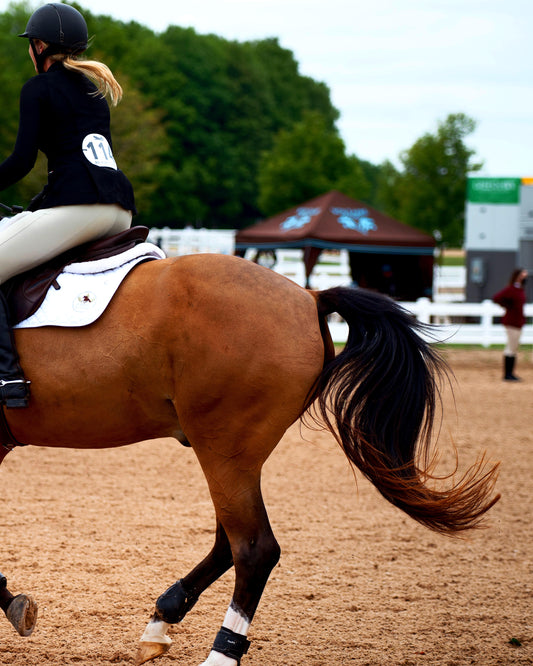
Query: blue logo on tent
x=355 y=218
x=299 y=219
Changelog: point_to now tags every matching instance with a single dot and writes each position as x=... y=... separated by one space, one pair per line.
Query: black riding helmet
x=60 y=26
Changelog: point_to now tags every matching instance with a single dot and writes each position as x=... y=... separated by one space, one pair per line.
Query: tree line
x=218 y=133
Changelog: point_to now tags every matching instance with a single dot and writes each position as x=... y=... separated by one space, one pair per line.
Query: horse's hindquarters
x=205 y=335
x=250 y=352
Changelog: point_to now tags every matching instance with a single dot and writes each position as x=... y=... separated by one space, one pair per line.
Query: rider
x=63 y=112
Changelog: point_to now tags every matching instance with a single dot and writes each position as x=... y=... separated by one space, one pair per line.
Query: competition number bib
x=97 y=150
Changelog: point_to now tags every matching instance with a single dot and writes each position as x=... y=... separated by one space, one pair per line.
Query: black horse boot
x=14 y=388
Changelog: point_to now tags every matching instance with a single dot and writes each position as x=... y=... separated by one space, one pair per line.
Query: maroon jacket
x=513 y=299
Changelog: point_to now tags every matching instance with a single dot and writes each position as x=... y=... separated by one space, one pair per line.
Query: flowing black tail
x=379 y=397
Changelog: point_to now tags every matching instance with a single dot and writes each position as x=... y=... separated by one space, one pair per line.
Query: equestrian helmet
x=60 y=26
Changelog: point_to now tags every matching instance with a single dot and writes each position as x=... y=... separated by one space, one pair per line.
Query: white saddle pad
x=87 y=288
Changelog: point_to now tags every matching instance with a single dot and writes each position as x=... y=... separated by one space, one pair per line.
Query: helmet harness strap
x=40 y=58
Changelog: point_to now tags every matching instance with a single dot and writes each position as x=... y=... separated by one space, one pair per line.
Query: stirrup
x=14 y=393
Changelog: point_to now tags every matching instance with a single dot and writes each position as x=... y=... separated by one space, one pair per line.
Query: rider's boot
x=14 y=388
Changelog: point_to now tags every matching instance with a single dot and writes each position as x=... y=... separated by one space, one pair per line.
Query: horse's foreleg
x=20 y=610
x=172 y=606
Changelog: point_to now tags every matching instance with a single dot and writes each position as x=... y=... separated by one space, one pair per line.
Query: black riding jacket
x=62 y=114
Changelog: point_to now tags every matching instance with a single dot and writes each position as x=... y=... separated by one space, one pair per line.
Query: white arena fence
x=176 y=242
x=456 y=322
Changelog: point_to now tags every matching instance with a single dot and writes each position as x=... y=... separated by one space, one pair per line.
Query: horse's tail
x=379 y=397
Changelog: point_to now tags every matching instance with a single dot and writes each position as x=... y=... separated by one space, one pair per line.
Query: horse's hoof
x=22 y=613
x=148 y=651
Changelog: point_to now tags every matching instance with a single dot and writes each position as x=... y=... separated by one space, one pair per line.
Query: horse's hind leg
x=244 y=538
x=20 y=610
x=172 y=606
x=239 y=505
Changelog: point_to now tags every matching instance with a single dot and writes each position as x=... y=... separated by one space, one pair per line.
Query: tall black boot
x=508 y=362
x=14 y=389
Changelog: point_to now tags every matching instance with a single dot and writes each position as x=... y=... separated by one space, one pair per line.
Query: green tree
x=430 y=193
x=355 y=182
x=385 y=194
x=304 y=162
x=215 y=132
x=197 y=114
x=224 y=102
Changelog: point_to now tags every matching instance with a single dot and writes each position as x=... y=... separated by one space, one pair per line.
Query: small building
x=498 y=234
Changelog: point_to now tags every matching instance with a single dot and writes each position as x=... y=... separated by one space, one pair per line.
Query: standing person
x=512 y=298
x=63 y=113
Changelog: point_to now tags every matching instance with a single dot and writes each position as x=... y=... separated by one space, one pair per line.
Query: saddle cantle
x=26 y=292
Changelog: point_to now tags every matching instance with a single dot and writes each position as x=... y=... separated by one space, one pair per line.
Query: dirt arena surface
x=96 y=536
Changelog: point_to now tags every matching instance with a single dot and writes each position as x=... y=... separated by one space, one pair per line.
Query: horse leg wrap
x=174 y=604
x=230 y=644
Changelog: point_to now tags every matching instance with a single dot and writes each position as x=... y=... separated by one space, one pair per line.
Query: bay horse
x=224 y=355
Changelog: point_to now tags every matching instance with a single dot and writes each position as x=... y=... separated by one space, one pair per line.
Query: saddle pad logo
x=97 y=150
x=84 y=301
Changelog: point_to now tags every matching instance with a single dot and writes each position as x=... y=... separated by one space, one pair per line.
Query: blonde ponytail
x=99 y=73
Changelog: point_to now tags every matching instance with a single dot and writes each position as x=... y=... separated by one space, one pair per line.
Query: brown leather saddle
x=26 y=292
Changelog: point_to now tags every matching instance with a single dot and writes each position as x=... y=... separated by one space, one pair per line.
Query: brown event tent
x=385 y=254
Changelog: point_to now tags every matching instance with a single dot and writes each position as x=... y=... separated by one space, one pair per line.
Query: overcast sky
x=395 y=68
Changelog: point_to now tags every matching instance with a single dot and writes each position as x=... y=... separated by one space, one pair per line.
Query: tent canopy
x=335 y=221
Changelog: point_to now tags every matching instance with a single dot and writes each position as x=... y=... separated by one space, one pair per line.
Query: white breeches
x=513 y=340
x=31 y=238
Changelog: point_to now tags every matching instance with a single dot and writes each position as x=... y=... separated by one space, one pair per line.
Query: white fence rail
x=175 y=242
x=474 y=323
x=333 y=269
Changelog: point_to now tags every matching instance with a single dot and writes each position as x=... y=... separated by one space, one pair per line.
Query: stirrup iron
x=14 y=393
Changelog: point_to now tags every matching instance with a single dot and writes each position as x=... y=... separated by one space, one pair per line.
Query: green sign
x=494 y=190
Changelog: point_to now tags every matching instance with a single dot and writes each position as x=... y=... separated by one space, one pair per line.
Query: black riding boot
x=508 y=364
x=14 y=389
